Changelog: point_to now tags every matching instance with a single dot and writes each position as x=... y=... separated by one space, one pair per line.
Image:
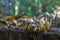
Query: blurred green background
x=28 y=7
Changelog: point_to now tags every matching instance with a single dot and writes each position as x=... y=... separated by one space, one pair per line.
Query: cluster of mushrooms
x=32 y=23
